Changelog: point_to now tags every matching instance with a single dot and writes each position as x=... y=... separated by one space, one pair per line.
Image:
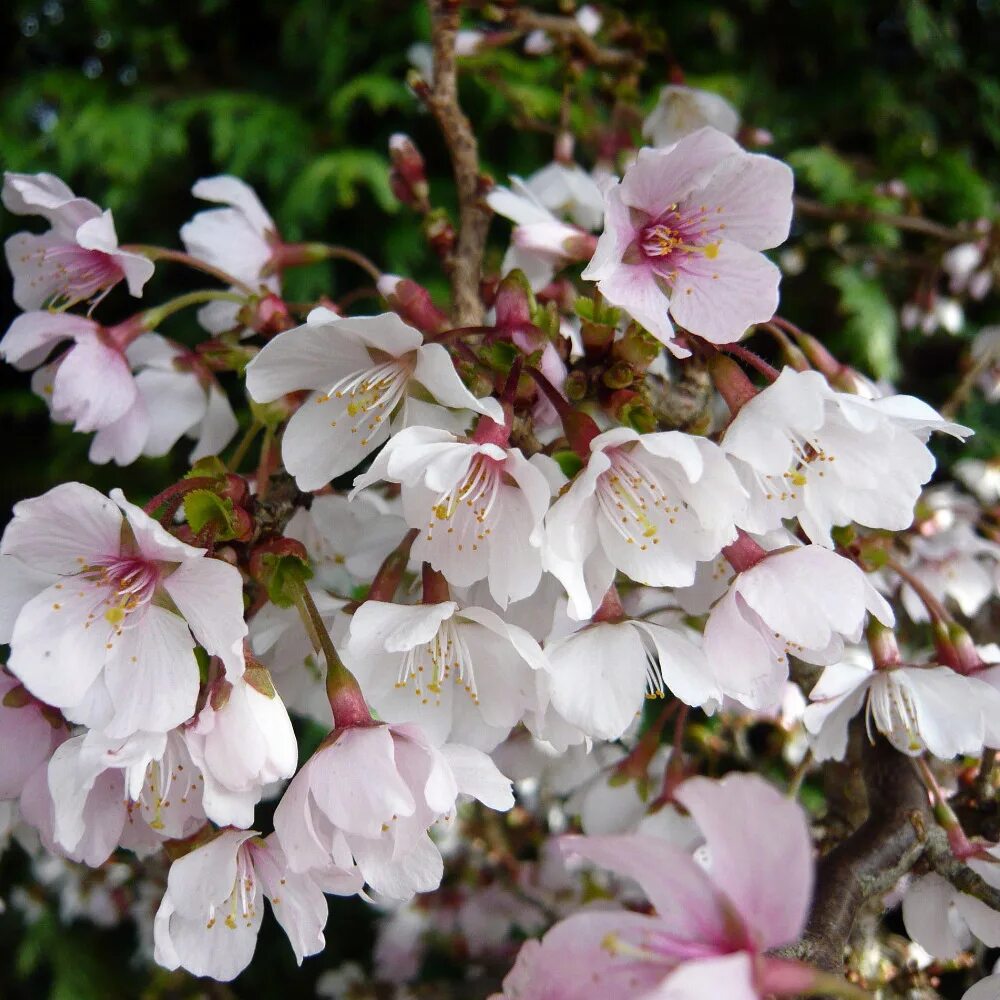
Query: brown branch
x=861 y=213
x=568 y=31
x=473 y=214
x=938 y=854
x=871 y=860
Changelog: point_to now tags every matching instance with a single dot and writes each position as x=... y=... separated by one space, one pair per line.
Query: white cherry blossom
x=682 y=110
x=359 y=371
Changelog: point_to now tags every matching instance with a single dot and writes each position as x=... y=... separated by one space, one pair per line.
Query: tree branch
x=473 y=213
x=568 y=31
x=861 y=213
x=938 y=853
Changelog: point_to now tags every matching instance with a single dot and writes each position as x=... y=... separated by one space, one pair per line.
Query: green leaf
x=203 y=508
x=871 y=324
x=827 y=172
x=285 y=575
x=569 y=461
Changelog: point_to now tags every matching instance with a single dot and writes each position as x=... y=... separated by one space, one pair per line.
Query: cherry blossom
x=29 y=734
x=77 y=259
x=462 y=673
x=804 y=450
x=709 y=930
x=358 y=370
x=682 y=110
x=982 y=477
x=370 y=793
x=566 y=189
x=118 y=607
x=211 y=912
x=916 y=707
x=89 y=384
x=650 y=505
x=801 y=601
x=944 y=921
x=683 y=231
x=479 y=506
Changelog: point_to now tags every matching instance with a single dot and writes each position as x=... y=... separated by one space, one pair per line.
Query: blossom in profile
x=710 y=927
x=78 y=259
x=682 y=110
x=683 y=233
x=107 y=628
x=358 y=370
x=212 y=910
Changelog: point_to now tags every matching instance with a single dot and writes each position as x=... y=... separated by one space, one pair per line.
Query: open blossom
x=118 y=607
x=650 y=505
x=802 y=601
x=176 y=396
x=710 y=930
x=804 y=450
x=240 y=238
x=541 y=242
x=370 y=794
x=77 y=259
x=479 y=507
x=89 y=384
x=683 y=233
x=462 y=673
x=682 y=110
x=601 y=674
x=943 y=920
x=916 y=707
x=569 y=191
x=211 y=912
x=359 y=370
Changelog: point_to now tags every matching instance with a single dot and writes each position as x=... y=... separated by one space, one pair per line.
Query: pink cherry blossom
x=118 y=607
x=683 y=233
x=370 y=794
x=462 y=673
x=77 y=259
x=801 y=601
x=29 y=733
x=709 y=930
x=359 y=370
x=90 y=384
x=650 y=505
x=211 y=912
x=479 y=507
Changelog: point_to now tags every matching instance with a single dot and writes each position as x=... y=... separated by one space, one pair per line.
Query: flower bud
x=407 y=178
x=413 y=303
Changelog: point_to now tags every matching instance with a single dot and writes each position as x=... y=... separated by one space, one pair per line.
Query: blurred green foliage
x=131 y=102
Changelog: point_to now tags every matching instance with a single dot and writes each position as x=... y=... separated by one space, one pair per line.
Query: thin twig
x=861 y=213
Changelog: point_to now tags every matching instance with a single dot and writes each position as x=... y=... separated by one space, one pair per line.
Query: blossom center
x=633 y=501
x=128 y=582
x=242 y=901
x=675 y=234
x=369 y=396
x=81 y=273
x=433 y=663
x=475 y=494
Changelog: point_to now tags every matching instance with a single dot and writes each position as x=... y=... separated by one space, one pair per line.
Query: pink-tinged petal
x=27 y=740
x=306 y=839
x=928 y=918
x=477 y=775
x=37 y=281
x=19 y=583
x=619 y=234
x=661 y=177
x=983 y=920
x=420 y=869
x=386 y=332
x=48 y=196
x=690 y=908
x=174 y=401
x=763 y=863
x=72 y=772
x=55 y=650
x=422 y=765
x=209 y=594
x=435 y=371
x=836 y=699
x=228 y=190
x=312 y=356
x=573 y=960
x=527 y=648
x=719 y=297
x=682 y=665
x=206 y=948
x=93 y=384
x=378 y=627
x=31 y=336
x=98 y=233
x=205 y=877
x=985 y=989
x=151 y=674
x=319 y=443
x=123 y=440
x=730 y=976
x=217 y=426
x=634 y=287
x=137 y=269
x=153 y=540
x=69 y=526
x=752 y=196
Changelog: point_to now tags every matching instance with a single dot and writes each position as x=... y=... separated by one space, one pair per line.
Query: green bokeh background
x=131 y=102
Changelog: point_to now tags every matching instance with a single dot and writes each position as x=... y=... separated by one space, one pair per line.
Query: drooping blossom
x=77 y=259
x=359 y=370
x=828 y=458
x=462 y=673
x=963 y=264
x=944 y=920
x=567 y=190
x=802 y=601
x=118 y=607
x=211 y=912
x=601 y=674
x=683 y=232
x=241 y=239
x=650 y=505
x=709 y=930
x=90 y=384
x=370 y=793
x=29 y=734
x=917 y=707
x=682 y=110
x=479 y=506
x=541 y=242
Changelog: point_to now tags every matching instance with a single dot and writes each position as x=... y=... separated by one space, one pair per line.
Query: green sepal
x=569 y=461
x=203 y=508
